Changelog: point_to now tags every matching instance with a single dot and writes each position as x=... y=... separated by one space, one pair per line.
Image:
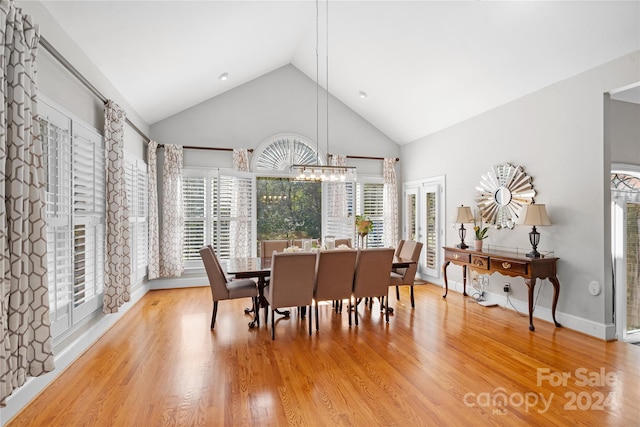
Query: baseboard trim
x=589 y=327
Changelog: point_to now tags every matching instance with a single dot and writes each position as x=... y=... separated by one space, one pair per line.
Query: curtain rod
x=66 y=64
x=192 y=147
x=366 y=157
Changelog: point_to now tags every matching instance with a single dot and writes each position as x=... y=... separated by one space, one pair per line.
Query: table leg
x=446 y=282
x=464 y=280
x=556 y=293
x=531 y=284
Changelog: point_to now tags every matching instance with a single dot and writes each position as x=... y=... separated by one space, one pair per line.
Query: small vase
x=478 y=244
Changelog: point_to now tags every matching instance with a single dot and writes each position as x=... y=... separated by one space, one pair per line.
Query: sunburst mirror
x=502 y=193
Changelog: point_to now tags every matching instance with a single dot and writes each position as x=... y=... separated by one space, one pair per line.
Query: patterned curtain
x=117 y=281
x=24 y=322
x=171 y=262
x=390 y=203
x=338 y=207
x=240 y=230
x=154 y=230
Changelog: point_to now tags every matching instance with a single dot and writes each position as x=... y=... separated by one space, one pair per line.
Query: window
x=136 y=177
x=218 y=205
x=369 y=202
x=74 y=164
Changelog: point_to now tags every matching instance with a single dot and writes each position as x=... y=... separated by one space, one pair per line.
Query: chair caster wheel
x=252 y=325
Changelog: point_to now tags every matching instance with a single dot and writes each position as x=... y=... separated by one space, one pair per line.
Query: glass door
x=422 y=221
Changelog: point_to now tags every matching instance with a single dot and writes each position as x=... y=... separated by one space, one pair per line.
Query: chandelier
x=318 y=172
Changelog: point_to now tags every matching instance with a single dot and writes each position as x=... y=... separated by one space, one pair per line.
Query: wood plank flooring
x=446 y=362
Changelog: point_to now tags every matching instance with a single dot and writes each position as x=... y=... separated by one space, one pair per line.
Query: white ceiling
x=425 y=65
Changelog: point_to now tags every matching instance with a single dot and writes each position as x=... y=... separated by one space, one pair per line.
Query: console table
x=508 y=264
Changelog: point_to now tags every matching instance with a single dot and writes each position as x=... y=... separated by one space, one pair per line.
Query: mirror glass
x=502 y=192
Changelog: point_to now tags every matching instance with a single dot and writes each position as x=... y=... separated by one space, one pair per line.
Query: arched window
x=280 y=152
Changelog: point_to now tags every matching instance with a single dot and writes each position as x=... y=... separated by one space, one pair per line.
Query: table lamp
x=535 y=215
x=464 y=215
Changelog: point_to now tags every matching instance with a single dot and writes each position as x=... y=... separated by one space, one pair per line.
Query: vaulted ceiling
x=424 y=65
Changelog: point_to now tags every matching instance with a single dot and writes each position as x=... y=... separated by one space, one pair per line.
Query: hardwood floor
x=447 y=362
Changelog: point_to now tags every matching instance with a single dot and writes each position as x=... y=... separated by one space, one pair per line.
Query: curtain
x=154 y=230
x=390 y=203
x=171 y=262
x=24 y=322
x=240 y=229
x=117 y=281
x=338 y=207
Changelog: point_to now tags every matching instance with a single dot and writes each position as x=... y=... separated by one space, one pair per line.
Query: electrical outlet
x=506 y=288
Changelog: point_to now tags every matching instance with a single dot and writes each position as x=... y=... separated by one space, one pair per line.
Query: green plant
x=364 y=224
x=480 y=232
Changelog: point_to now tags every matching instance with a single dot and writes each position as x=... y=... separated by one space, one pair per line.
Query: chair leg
x=349 y=311
x=355 y=312
x=317 y=326
x=398 y=293
x=386 y=308
x=310 y=316
x=215 y=312
x=256 y=310
x=413 y=304
x=273 y=324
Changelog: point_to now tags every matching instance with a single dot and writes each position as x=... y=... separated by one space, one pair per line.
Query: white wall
x=556 y=135
x=283 y=100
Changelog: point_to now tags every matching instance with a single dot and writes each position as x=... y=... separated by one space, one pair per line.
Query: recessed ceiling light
x=224 y=76
x=363 y=95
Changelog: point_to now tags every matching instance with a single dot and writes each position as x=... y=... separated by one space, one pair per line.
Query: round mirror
x=501 y=194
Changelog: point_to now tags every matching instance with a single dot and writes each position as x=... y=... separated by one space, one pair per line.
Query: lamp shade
x=536 y=215
x=464 y=214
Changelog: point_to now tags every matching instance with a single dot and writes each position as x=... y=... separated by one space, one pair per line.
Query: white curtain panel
x=24 y=322
x=390 y=203
x=117 y=263
x=338 y=207
x=154 y=230
x=171 y=262
x=240 y=231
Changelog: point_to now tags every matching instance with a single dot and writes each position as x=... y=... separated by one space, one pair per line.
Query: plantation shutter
x=88 y=220
x=338 y=218
x=55 y=129
x=194 y=190
x=370 y=203
x=136 y=180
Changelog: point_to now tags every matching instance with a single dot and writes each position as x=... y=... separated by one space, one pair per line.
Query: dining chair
x=267 y=247
x=221 y=289
x=372 y=276
x=291 y=284
x=334 y=277
x=409 y=249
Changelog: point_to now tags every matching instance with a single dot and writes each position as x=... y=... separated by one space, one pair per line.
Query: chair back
x=411 y=250
x=373 y=271
x=334 y=274
x=292 y=279
x=267 y=247
x=217 y=279
x=346 y=242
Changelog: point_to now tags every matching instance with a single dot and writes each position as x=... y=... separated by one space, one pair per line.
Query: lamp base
x=534 y=254
x=462 y=245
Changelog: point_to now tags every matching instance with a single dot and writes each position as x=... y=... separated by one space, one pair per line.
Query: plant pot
x=478 y=245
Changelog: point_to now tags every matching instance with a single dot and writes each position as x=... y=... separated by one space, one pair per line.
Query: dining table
x=260 y=269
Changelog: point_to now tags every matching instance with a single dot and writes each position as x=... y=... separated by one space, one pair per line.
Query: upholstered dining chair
x=334 y=277
x=409 y=249
x=221 y=289
x=373 y=269
x=267 y=247
x=291 y=284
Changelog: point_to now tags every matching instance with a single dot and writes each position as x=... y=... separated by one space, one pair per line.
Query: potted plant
x=364 y=225
x=480 y=234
